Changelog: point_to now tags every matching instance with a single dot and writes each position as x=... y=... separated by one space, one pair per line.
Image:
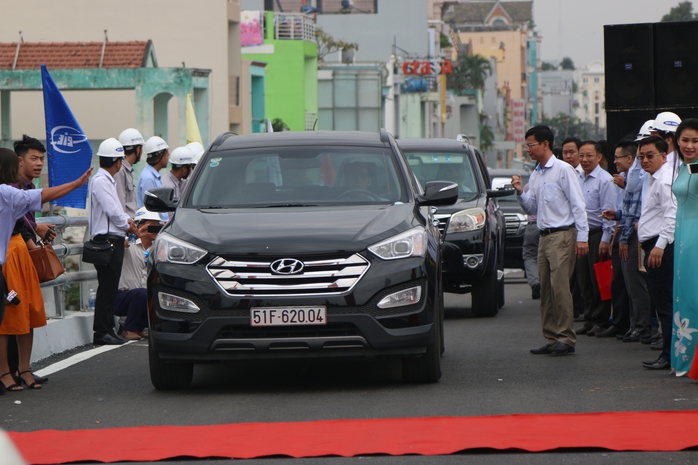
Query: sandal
x=13 y=387
x=33 y=385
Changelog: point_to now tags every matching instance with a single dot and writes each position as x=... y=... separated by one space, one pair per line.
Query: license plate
x=288 y=316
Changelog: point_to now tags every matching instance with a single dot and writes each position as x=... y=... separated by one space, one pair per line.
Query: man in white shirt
x=655 y=233
x=599 y=195
x=131 y=302
x=556 y=199
x=570 y=153
x=108 y=221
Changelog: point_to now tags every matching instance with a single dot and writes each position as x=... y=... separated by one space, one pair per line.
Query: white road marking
x=77 y=358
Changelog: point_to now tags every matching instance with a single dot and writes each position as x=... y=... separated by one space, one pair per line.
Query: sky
x=574 y=28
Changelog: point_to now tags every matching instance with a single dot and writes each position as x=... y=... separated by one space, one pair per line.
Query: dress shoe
x=608 y=332
x=635 y=336
x=659 y=364
x=657 y=345
x=579 y=319
x=584 y=329
x=108 y=340
x=131 y=336
x=541 y=350
x=595 y=330
x=627 y=333
x=535 y=292
x=560 y=348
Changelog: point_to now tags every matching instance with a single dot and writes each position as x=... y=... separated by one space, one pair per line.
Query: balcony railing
x=294 y=26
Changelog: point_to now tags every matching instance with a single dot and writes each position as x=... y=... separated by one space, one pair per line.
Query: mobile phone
x=693 y=168
x=154 y=228
x=48 y=234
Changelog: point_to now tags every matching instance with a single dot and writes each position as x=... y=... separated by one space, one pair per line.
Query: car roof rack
x=220 y=139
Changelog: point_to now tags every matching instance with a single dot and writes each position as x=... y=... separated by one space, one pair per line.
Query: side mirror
x=160 y=199
x=439 y=193
x=501 y=192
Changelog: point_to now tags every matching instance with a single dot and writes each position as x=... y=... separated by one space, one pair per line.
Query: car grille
x=319 y=277
x=443 y=222
x=516 y=223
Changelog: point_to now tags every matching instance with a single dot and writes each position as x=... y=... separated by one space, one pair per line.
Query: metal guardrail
x=63 y=250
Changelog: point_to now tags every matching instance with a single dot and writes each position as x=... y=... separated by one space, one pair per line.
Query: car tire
x=166 y=376
x=500 y=292
x=427 y=367
x=486 y=296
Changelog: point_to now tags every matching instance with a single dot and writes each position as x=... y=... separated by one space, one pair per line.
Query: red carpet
x=618 y=431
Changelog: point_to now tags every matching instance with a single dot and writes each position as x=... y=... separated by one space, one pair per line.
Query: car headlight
x=412 y=243
x=169 y=249
x=471 y=219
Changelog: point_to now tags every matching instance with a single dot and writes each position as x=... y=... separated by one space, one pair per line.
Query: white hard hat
x=197 y=149
x=155 y=144
x=142 y=214
x=182 y=156
x=666 y=122
x=645 y=130
x=130 y=137
x=111 y=148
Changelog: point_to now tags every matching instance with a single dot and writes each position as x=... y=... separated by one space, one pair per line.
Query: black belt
x=649 y=243
x=546 y=231
x=595 y=230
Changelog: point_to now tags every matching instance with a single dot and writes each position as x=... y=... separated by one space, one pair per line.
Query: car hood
x=291 y=231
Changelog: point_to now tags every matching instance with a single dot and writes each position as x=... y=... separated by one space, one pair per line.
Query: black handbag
x=98 y=251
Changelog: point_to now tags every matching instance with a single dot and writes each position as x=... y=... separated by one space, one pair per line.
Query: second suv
x=473 y=228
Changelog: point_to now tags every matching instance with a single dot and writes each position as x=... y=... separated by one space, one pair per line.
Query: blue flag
x=69 y=151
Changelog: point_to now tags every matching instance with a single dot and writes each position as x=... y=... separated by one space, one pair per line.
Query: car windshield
x=499 y=182
x=434 y=166
x=297 y=176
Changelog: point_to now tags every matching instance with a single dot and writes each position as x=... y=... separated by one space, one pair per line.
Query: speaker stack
x=649 y=68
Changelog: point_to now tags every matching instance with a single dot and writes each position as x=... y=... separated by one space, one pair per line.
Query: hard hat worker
x=183 y=162
x=108 y=221
x=132 y=141
x=157 y=154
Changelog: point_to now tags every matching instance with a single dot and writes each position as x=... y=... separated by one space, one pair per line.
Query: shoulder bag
x=98 y=252
x=46 y=262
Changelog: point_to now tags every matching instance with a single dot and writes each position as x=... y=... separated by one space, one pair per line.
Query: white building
x=590 y=97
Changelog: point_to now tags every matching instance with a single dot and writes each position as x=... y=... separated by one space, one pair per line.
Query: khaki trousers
x=556 y=261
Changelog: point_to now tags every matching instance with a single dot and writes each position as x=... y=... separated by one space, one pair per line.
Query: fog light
x=472 y=261
x=398 y=299
x=176 y=303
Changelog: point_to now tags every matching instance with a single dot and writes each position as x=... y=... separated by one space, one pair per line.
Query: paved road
x=487 y=370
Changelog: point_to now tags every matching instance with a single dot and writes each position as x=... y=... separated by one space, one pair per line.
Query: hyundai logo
x=287 y=266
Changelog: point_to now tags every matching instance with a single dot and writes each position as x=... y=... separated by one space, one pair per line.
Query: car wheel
x=165 y=376
x=485 y=296
x=500 y=291
x=427 y=367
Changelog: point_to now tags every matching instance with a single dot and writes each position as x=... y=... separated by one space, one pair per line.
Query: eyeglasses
x=622 y=156
x=530 y=146
x=649 y=156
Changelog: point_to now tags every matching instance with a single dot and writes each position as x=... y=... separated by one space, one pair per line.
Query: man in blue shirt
x=158 y=155
x=556 y=198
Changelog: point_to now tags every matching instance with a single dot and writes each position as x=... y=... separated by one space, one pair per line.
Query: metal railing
x=294 y=26
x=63 y=250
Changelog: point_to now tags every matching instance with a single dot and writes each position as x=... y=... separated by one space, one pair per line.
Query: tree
x=444 y=41
x=486 y=138
x=545 y=66
x=278 y=125
x=469 y=72
x=681 y=12
x=564 y=126
x=567 y=63
x=326 y=44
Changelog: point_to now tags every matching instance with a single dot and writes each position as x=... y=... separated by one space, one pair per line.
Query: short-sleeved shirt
x=14 y=204
x=149 y=179
x=125 y=189
x=134 y=273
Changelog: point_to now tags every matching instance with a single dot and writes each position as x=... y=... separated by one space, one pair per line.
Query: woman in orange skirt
x=21 y=319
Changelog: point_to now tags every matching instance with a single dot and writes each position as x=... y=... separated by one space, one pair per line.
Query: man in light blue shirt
x=599 y=194
x=158 y=155
x=556 y=198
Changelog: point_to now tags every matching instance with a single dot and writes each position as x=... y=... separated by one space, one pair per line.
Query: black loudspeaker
x=625 y=124
x=628 y=58
x=676 y=64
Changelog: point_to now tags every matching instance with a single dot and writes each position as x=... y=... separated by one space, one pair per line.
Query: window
x=596 y=108
x=596 y=80
x=585 y=80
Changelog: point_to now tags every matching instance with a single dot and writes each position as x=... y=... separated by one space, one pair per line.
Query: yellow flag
x=193 y=134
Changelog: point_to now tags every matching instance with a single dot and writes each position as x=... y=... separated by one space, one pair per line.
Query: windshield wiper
x=285 y=205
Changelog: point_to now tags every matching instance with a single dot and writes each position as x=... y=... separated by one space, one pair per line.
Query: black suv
x=473 y=228
x=309 y=244
x=516 y=219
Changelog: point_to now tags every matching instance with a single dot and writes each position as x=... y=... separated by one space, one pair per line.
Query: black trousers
x=619 y=293
x=107 y=289
x=660 y=284
x=596 y=311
